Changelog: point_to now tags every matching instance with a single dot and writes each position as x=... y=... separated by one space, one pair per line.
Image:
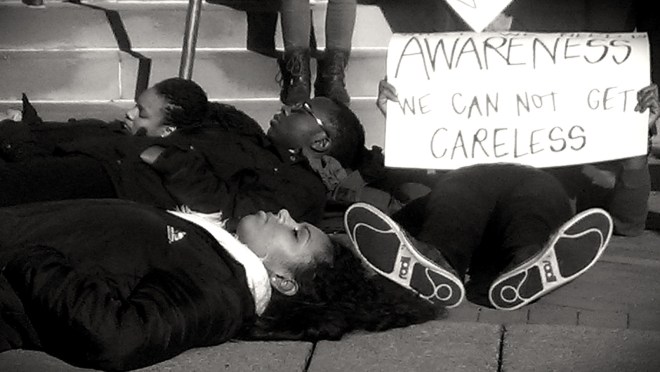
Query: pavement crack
x=310 y=355
x=500 y=352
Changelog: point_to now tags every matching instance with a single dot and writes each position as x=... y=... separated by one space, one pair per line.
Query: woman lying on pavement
x=118 y=285
x=184 y=151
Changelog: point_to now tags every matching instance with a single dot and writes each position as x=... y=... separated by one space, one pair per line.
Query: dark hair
x=230 y=118
x=336 y=298
x=347 y=135
x=188 y=103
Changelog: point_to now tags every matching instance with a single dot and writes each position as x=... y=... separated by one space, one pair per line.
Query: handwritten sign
x=478 y=13
x=537 y=99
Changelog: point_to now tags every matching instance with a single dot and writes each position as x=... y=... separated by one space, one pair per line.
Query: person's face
x=282 y=243
x=147 y=115
x=295 y=126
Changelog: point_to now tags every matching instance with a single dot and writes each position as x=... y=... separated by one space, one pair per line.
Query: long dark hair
x=336 y=298
x=188 y=103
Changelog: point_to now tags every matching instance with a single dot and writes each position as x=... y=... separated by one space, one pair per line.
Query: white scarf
x=255 y=272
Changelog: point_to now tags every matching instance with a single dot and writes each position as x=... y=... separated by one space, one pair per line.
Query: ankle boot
x=296 y=79
x=330 y=76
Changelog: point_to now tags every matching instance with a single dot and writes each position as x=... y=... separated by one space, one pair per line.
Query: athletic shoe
x=568 y=254
x=387 y=249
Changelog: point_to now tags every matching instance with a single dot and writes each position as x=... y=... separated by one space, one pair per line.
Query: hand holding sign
x=537 y=99
x=648 y=98
x=386 y=92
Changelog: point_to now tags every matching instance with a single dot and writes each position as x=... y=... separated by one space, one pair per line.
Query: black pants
x=484 y=217
x=53 y=178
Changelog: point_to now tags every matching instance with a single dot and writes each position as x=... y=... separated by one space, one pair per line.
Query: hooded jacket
x=115 y=285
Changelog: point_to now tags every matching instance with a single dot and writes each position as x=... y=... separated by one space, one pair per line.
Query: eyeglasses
x=305 y=108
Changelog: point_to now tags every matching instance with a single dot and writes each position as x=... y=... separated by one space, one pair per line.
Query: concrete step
x=99 y=50
x=85 y=75
x=261 y=110
x=158 y=24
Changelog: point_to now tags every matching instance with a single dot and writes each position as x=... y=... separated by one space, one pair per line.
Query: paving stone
x=559 y=348
x=644 y=319
x=31 y=361
x=607 y=285
x=495 y=316
x=465 y=312
x=240 y=357
x=547 y=314
x=229 y=357
x=603 y=319
x=621 y=247
x=434 y=346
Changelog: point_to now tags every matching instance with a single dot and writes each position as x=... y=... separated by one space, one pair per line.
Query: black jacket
x=115 y=285
x=228 y=164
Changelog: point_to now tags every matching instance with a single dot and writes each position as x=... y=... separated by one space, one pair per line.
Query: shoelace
x=292 y=69
x=337 y=66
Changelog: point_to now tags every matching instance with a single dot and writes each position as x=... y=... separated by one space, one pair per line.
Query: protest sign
x=537 y=99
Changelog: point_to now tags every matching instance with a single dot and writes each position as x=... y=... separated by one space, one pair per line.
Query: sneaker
x=568 y=254
x=387 y=249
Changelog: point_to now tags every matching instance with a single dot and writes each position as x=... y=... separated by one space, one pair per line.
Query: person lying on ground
x=502 y=234
x=183 y=151
x=622 y=187
x=116 y=285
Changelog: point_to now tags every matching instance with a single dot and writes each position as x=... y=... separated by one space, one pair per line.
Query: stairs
x=89 y=58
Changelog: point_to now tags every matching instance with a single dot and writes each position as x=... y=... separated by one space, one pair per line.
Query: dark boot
x=296 y=78
x=330 y=76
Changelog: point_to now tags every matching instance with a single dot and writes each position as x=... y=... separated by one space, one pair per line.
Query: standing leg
x=339 y=26
x=294 y=65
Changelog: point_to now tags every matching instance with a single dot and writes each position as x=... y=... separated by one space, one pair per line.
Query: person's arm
x=190 y=179
x=89 y=321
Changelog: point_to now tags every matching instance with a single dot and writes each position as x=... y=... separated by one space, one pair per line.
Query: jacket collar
x=255 y=272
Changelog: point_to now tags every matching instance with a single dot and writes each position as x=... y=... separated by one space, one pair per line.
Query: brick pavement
x=607 y=320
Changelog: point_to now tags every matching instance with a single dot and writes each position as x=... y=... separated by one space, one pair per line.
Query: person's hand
x=600 y=177
x=151 y=154
x=648 y=98
x=386 y=92
x=11 y=114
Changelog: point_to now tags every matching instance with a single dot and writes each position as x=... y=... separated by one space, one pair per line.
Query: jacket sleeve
x=192 y=182
x=165 y=313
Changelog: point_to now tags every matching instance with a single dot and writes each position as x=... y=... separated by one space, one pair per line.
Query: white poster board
x=537 y=99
